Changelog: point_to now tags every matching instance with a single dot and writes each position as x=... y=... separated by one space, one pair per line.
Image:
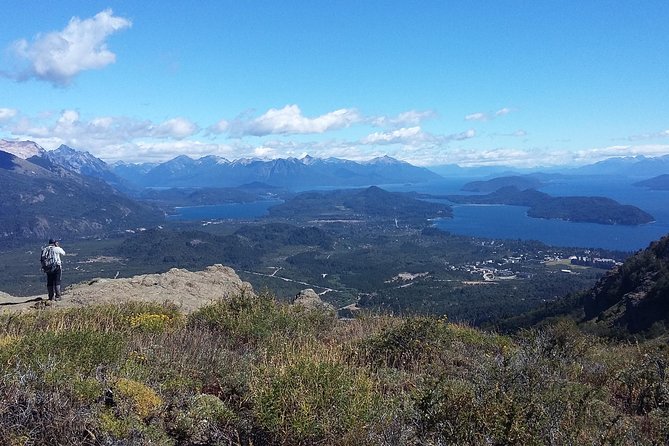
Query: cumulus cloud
x=98 y=133
x=59 y=56
x=221 y=126
x=7 y=114
x=401 y=136
x=414 y=137
x=288 y=120
x=159 y=151
x=178 y=128
x=467 y=134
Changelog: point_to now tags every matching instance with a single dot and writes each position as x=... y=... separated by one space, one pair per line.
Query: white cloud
x=481 y=116
x=7 y=113
x=178 y=128
x=401 y=136
x=503 y=111
x=476 y=117
x=409 y=118
x=467 y=134
x=59 y=56
x=642 y=136
x=153 y=151
x=221 y=126
x=414 y=137
x=288 y=121
x=264 y=152
x=100 y=132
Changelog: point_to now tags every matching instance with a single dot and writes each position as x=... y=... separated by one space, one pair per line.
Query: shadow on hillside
x=35 y=299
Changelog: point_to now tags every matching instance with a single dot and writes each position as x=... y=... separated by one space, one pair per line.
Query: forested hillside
x=39 y=202
x=634 y=298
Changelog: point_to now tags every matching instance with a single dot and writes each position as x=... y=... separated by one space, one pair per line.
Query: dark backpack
x=48 y=260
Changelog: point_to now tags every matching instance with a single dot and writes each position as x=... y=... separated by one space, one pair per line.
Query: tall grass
x=248 y=370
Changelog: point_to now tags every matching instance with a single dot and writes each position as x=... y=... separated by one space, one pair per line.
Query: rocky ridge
x=189 y=290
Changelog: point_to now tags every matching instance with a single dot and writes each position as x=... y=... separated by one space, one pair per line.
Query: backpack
x=48 y=260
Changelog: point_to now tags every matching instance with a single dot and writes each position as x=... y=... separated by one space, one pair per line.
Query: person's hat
x=52 y=241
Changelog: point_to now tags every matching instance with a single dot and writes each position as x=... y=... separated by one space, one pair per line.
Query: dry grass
x=250 y=371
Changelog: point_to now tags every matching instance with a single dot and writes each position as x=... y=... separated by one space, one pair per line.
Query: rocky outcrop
x=309 y=300
x=189 y=290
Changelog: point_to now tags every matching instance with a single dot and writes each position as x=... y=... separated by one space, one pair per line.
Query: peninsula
x=599 y=210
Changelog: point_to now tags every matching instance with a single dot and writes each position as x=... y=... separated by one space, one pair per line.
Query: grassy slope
x=251 y=371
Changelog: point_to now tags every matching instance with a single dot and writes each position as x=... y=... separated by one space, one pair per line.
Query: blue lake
x=510 y=222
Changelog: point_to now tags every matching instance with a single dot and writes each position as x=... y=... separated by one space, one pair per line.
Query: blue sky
x=520 y=83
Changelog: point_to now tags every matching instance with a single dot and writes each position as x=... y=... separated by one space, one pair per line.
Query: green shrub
x=67 y=353
x=205 y=420
x=247 y=319
x=137 y=398
x=403 y=346
x=313 y=396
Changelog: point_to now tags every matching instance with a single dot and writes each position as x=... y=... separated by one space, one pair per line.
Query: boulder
x=309 y=300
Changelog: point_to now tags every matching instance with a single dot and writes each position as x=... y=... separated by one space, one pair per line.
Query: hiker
x=52 y=266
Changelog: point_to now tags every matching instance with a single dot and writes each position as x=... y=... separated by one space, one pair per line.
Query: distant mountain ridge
x=632 y=166
x=83 y=163
x=215 y=171
x=306 y=172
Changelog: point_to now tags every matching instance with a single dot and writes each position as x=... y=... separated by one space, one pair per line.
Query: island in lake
x=521 y=182
x=600 y=210
x=372 y=202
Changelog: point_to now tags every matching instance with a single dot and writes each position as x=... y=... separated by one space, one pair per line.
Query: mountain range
x=41 y=199
x=294 y=173
x=632 y=166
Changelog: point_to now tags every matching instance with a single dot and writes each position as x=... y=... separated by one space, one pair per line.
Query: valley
x=373 y=265
x=361 y=248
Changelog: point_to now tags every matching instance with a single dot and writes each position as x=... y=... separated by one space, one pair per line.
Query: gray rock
x=308 y=299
